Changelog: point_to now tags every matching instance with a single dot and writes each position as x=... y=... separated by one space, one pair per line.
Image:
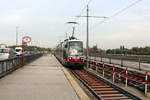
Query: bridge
x=43 y=79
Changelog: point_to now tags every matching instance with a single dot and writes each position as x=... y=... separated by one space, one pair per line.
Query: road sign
x=26 y=39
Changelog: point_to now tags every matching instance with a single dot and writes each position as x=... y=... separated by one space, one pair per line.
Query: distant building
x=3 y=46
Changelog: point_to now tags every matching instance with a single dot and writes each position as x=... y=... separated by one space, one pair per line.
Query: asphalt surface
x=42 y=79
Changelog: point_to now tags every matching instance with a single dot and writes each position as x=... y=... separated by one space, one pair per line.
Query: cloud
x=45 y=21
x=130 y=29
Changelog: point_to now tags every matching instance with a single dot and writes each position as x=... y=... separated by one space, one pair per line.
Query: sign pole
x=25 y=41
x=22 y=56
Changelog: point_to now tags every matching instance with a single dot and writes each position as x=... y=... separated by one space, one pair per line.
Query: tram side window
x=64 y=54
x=66 y=45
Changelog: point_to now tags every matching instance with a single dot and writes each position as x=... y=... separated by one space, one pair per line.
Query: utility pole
x=17 y=35
x=87 y=36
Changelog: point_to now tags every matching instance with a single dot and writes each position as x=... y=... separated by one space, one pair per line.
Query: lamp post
x=17 y=35
x=87 y=38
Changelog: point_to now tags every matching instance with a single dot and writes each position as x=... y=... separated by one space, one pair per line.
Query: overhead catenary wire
x=117 y=13
x=105 y=19
x=82 y=10
x=122 y=10
x=76 y=18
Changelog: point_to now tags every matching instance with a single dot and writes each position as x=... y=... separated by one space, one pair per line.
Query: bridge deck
x=40 y=80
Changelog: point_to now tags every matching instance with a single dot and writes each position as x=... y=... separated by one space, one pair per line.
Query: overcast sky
x=44 y=21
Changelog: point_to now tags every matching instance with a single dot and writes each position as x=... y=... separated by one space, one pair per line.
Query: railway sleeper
x=104 y=86
x=108 y=92
x=116 y=98
x=103 y=89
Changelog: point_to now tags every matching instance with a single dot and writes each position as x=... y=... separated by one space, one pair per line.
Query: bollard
x=119 y=76
x=113 y=73
x=146 y=83
x=103 y=69
x=126 y=77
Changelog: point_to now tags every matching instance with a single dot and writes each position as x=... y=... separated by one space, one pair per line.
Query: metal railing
x=122 y=75
x=9 y=65
x=135 y=62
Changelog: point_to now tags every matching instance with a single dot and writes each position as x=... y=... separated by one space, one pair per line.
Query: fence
x=122 y=75
x=135 y=62
x=9 y=65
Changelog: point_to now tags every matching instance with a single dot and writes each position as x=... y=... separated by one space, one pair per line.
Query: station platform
x=42 y=79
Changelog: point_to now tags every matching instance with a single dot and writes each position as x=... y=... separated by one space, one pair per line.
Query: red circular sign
x=26 y=39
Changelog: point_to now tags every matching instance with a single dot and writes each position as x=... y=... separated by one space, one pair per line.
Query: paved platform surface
x=40 y=80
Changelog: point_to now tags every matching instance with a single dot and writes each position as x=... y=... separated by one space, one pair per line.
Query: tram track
x=101 y=88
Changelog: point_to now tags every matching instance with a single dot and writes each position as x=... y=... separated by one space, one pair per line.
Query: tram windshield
x=75 y=48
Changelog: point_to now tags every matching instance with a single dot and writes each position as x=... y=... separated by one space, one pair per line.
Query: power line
x=87 y=16
x=76 y=18
x=84 y=8
x=119 y=12
x=122 y=10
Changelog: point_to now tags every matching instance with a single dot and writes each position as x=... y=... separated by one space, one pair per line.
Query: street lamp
x=17 y=27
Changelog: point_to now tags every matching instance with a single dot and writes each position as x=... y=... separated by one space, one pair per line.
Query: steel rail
x=85 y=84
x=133 y=97
x=135 y=79
x=94 y=83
